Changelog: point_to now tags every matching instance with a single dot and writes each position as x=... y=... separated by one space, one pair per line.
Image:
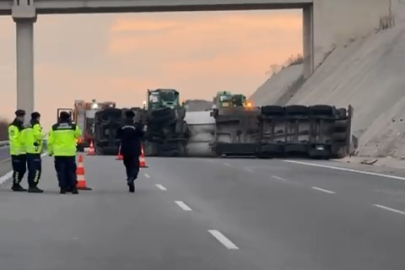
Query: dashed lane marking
x=389 y=209
x=183 y=206
x=278 y=178
x=323 y=190
x=222 y=239
x=147 y=175
x=159 y=186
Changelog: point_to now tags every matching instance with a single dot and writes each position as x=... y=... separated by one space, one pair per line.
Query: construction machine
x=83 y=115
x=236 y=125
x=166 y=131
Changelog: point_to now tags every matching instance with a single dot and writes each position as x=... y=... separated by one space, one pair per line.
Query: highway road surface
x=203 y=214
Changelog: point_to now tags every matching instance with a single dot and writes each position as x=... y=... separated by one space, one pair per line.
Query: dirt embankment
x=367 y=73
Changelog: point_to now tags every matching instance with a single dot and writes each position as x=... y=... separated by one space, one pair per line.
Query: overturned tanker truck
x=240 y=129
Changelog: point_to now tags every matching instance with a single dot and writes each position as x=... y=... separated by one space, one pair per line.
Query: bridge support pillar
x=24 y=15
x=308 y=37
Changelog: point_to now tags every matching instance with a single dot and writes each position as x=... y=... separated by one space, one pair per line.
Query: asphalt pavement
x=191 y=213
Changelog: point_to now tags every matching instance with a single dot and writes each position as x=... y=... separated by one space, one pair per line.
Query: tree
x=3 y=129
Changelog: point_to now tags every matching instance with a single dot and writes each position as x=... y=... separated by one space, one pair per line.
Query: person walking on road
x=17 y=150
x=62 y=145
x=130 y=135
x=33 y=138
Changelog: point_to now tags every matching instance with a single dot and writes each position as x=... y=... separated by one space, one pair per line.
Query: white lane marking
x=147 y=175
x=227 y=164
x=8 y=175
x=161 y=187
x=222 y=239
x=5 y=177
x=389 y=209
x=249 y=170
x=278 y=178
x=324 y=190
x=210 y=160
x=346 y=169
x=183 y=206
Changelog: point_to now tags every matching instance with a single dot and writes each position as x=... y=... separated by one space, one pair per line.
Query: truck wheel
x=341 y=126
x=339 y=137
x=273 y=110
x=322 y=110
x=297 y=110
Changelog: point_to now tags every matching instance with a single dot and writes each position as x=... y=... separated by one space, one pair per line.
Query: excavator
x=236 y=125
x=166 y=131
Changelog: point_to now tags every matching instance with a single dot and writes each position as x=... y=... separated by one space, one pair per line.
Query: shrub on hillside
x=295 y=60
x=3 y=129
x=291 y=61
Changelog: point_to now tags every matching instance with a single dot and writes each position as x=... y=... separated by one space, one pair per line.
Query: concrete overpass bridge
x=326 y=23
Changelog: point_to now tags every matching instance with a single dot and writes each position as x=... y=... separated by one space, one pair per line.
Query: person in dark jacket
x=130 y=135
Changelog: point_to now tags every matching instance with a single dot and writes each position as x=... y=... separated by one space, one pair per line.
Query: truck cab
x=163 y=98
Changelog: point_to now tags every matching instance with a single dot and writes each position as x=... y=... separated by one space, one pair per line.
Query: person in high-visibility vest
x=62 y=145
x=17 y=150
x=33 y=138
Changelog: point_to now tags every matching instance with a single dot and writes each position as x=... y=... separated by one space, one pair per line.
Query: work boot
x=75 y=191
x=131 y=185
x=62 y=190
x=17 y=188
x=35 y=190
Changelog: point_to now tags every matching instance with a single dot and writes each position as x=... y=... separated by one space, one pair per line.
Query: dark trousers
x=66 y=171
x=34 y=163
x=131 y=164
x=19 y=164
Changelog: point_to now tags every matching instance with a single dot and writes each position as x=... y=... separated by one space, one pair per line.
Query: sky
x=117 y=57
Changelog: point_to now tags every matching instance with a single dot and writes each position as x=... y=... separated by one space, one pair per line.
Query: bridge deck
x=120 y=6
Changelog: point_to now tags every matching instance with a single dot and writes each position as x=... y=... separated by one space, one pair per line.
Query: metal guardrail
x=4 y=143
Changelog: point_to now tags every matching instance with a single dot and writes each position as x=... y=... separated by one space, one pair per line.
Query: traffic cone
x=91 y=151
x=142 y=160
x=81 y=181
x=119 y=157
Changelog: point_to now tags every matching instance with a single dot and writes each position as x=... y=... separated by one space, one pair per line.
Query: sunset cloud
x=117 y=57
x=179 y=34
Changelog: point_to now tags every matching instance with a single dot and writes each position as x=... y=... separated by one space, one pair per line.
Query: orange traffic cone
x=119 y=157
x=91 y=151
x=142 y=160
x=81 y=181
